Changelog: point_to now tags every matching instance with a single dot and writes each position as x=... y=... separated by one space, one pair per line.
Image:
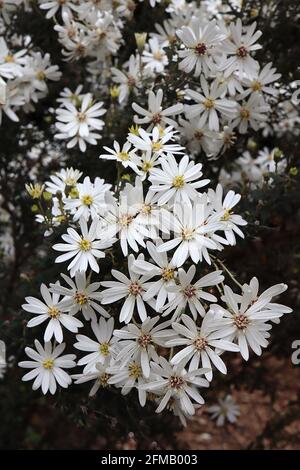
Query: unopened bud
x=293 y=171
x=47 y=196
x=114 y=91
x=140 y=39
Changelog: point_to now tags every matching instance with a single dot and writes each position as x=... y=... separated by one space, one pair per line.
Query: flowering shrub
x=141 y=171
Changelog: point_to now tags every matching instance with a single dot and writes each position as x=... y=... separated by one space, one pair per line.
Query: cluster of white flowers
x=253 y=170
x=160 y=320
x=173 y=315
x=23 y=79
x=223 y=88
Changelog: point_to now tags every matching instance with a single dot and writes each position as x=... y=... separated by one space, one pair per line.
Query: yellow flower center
x=125 y=220
x=103 y=379
x=167 y=274
x=81 y=117
x=187 y=234
x=134 y=129
x=87 y=200
x=256 y=85
x=244 y=113
x=146 y=166
x=209 y=103
x=135 y=370
x=104 y=349
x=53 y=312
x=85 y=245
x=157 y=55
x=70 y=181
x=48 y=363
x=157 y=146
x=178 y=181
x=9 y=58
x=146 y=209
x=124 y=156
x=40 y=75
x=227 y=215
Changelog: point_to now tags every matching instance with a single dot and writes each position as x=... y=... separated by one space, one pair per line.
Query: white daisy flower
x=100 y=351
x=248 y=319
x=154 y=143
x=198 y=344
x=127 y=378
x=78 y=124
x=251 y=113
x=90 y=201
x=251 y=291
x=210 y=104
x=261 y=82
x=84 y=248
x=239 y=47
x=193 y=226
x=154 y=56
x=47 y=367
x=155 y=115
x=231 y=221
x=53 y=6
x=163 y=268
x=132 y=288
x=125 y=155
x=226 y=410
x=127 y=81
x=176 y=383
x=139 y=342
x=100 y=376
x=53 y=310
x=190 y=294
x=121 y=219
x=201 y=46
x=176 y=182
x=149 y=214
x=61 y=180
x=80 y=295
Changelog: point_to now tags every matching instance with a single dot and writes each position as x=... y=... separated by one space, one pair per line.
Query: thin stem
x=230 y=274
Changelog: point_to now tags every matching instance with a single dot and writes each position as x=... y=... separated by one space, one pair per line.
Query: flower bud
x=140 y=39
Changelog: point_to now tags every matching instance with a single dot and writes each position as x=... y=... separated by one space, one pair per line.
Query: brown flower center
x=242 y=52
x=200 y=343
x=156 y=118
x=135 y=288
x=144 y=340
x=190 y=291
x=176 y=382
x=241 y=321
x=201 y=48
